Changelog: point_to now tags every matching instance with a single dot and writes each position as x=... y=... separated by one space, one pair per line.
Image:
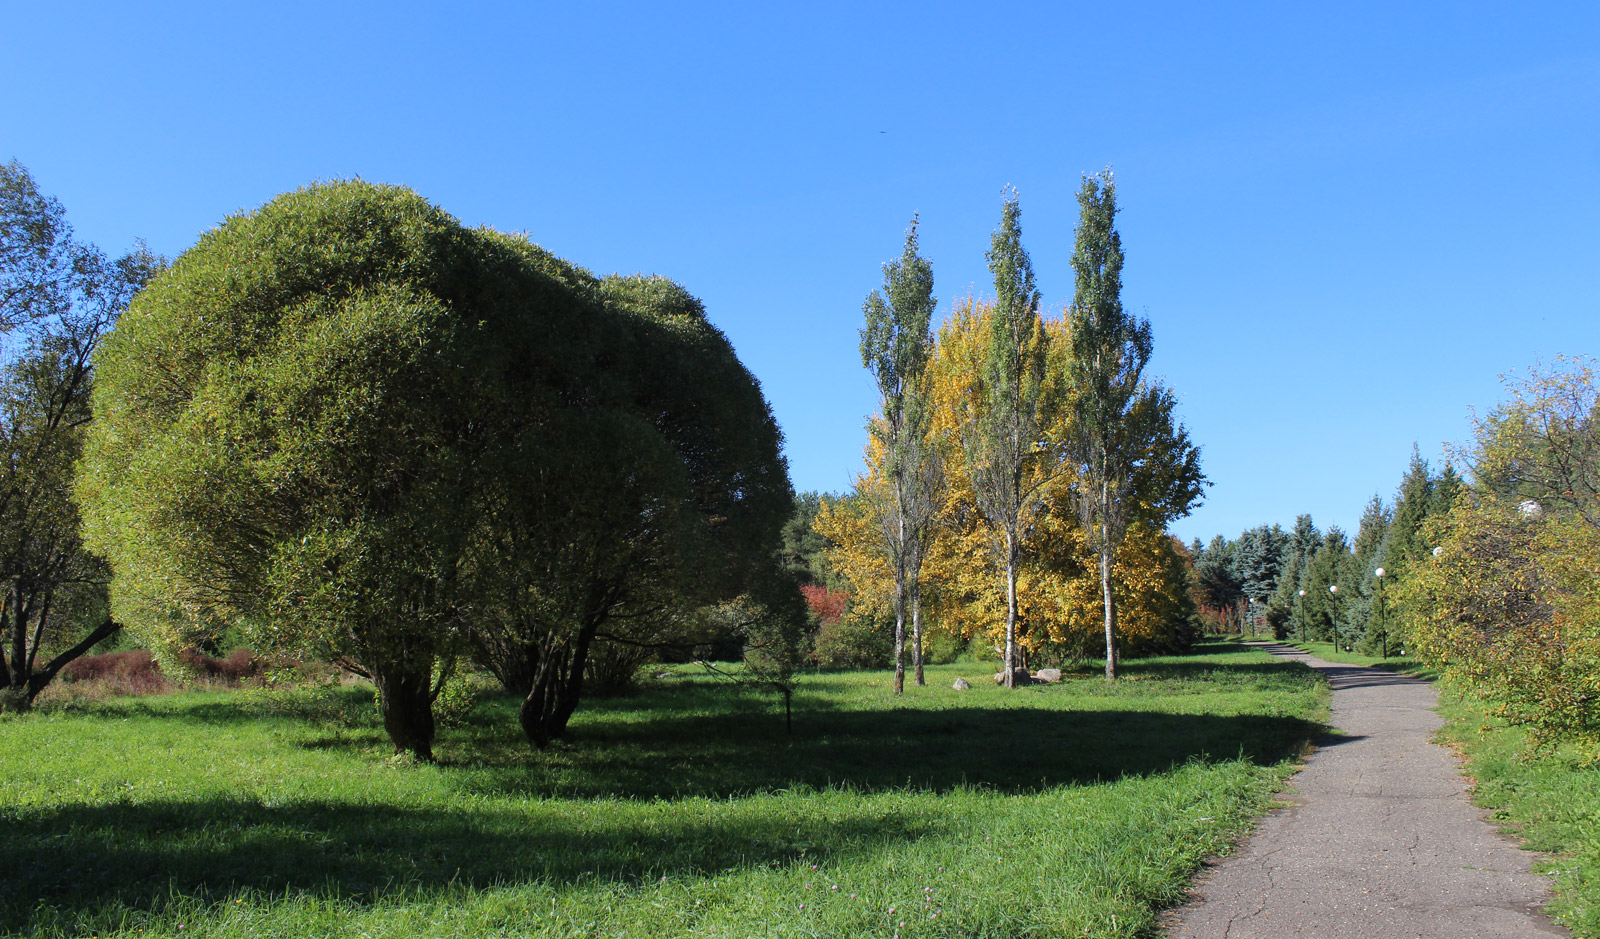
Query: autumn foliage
x=1508 y=604
x=1058 y=587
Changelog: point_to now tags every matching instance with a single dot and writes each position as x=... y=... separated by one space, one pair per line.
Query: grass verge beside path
x=1078 y=809
x=1550 y=800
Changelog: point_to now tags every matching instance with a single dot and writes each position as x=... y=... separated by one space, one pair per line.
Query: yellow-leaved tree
x=1059 y=600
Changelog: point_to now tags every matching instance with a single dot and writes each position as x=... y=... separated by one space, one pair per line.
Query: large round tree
x=345 y=422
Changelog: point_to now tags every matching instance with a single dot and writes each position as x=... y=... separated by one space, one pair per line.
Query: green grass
x=1551 y=800
x=1079 y=809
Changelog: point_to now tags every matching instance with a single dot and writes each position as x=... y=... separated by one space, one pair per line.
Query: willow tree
x=1133 y=461
x=895 y=346
x=616 y=520
x=1008 y=413
x=348 y=424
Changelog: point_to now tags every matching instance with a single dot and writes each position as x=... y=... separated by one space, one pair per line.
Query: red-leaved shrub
x=239 y=665
x=826 y=605
x=119 y=673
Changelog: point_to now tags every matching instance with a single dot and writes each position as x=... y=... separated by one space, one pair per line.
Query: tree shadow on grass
x=79 y=860
x=1010 y=750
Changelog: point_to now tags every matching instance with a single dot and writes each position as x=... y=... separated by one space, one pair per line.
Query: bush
x=852 y=642
x=239 y=665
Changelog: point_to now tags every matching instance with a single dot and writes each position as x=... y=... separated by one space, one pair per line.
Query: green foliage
x=895 y=346
x=804 y=552
x=853 y=642
x=1133 y=462
x=57 y=299
x=1321 y=607
x=1000 y=438
x=677 y=812
x=1507 y=608
x=348 y=424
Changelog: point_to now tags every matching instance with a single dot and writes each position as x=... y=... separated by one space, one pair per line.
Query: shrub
x=852 y=642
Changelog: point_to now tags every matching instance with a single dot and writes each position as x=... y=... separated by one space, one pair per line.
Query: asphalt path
x=1378 y=842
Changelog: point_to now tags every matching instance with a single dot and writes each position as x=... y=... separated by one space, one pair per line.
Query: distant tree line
x=1308 y=584
x=1490 y=577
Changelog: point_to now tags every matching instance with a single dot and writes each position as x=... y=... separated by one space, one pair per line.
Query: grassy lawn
x=1077 y=809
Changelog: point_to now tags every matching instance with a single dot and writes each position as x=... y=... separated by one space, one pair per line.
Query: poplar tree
x=1132 y=460
x=895 y=346
x=1002 y=441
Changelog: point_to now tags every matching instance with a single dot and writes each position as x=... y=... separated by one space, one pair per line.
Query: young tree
x=1002 y=432
x=895 y=346
x=57 y=299
x=1131 y=459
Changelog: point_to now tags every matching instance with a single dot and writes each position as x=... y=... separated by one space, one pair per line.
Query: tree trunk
x=1011 y=611
x=1110 y=611
x=899 y=637
x=899 y=591
x=916 y=632
x=557 y=686
x=405 y=698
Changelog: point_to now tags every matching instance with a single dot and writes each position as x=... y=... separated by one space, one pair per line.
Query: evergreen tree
x=1368 y=552
x=1329 y=567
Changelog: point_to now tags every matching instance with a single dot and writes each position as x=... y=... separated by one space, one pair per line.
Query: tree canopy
x=347 y=422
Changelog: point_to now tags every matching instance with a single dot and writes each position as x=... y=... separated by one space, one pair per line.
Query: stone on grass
x=1047 y=675
x=1019 y=678
x=960 y=684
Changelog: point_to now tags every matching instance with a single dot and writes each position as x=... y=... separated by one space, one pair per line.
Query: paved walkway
x=1380 y=842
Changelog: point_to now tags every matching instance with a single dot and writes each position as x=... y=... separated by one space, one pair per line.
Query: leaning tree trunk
x=405 y=699
x=557 y=686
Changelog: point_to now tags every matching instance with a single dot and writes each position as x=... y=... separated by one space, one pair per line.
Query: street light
x=1383 y=632
x=1300 y=614
x=1334 y=589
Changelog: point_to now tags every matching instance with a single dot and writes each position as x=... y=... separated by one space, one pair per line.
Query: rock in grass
x=1019 y=678
x=960 y=684
x=1047 y=675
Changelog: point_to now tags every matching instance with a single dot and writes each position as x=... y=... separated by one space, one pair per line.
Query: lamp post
x=1334 y=590
x=1383 y=631
x=1300 y=614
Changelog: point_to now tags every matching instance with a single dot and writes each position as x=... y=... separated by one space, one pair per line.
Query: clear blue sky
x=1344 y=221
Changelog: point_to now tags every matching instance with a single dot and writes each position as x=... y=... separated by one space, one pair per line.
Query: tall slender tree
x=895 y=346
x=1109 y=353
x=1002 y=440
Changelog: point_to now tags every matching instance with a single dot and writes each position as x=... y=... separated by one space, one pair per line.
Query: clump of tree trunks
x=346 y=424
